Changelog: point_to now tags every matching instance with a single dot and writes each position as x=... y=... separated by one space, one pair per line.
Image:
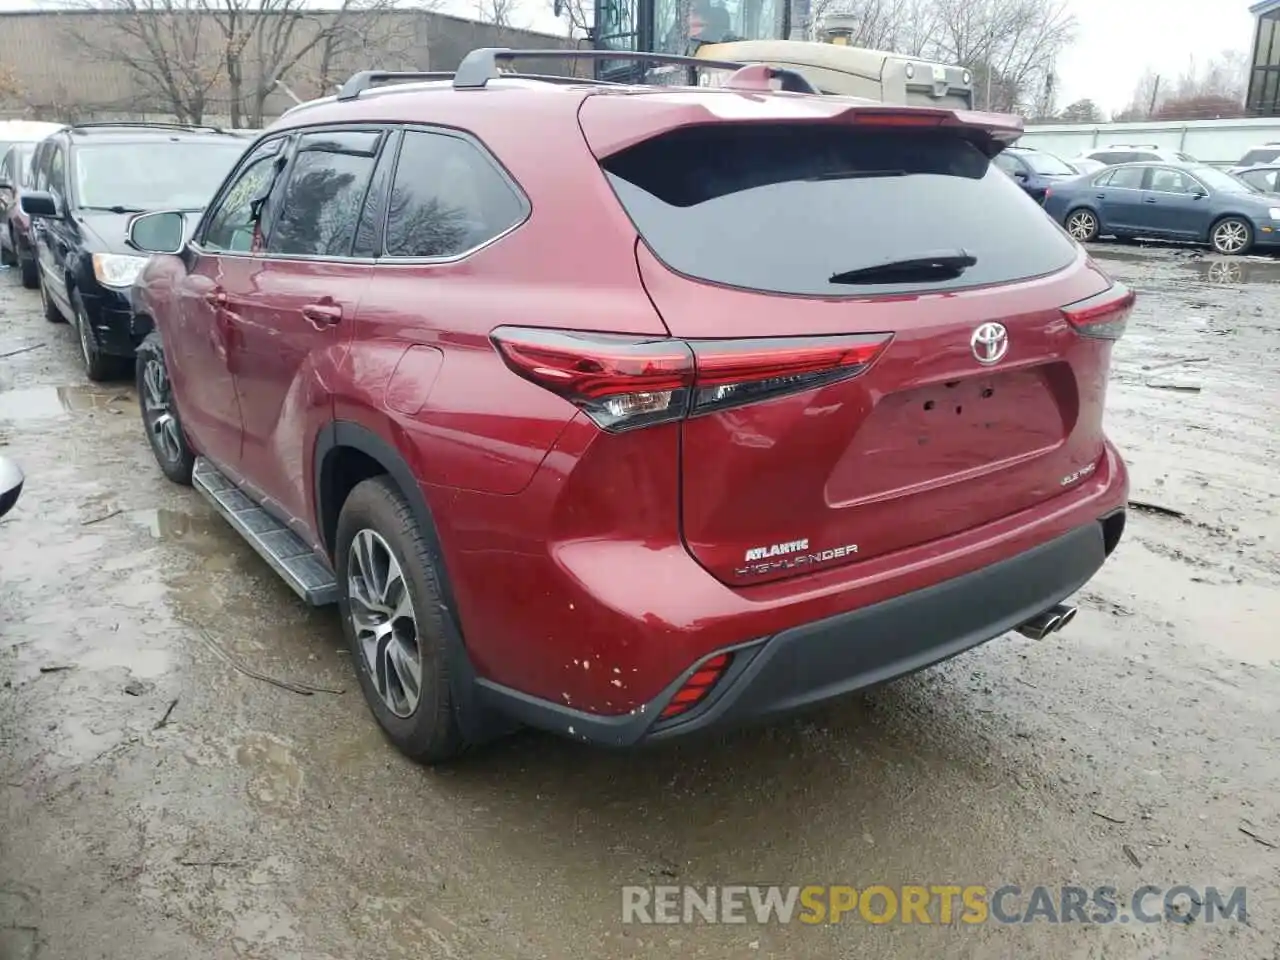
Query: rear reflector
x=693 y=690
x=1104 y=316
x=628 y=382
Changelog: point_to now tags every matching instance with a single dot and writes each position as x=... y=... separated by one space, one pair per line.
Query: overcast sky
x=1116 y=40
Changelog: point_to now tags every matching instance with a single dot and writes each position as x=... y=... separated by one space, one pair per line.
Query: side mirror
x=11 y=481
x=163 y=231
x=1020 y=175
x=1199 y=194
x=39 y=203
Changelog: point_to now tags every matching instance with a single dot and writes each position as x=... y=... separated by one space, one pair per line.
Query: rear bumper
x=829 y=658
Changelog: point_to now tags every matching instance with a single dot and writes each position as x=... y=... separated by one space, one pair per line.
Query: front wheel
x=159 y=415
x=1232 y=236
x=393 y=618
x=51 y=311
x=97 y=365
x=1082 y=225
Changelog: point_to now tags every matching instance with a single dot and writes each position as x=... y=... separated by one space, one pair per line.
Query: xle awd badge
x=989 y=343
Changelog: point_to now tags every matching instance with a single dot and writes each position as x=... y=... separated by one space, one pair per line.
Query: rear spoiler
x=658 y=112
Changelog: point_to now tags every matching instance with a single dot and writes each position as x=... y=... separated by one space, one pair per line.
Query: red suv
x=628 y=411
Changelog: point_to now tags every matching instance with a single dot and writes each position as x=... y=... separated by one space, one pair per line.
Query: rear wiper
x=855 y=175
x=941 y=265
x=115 y=209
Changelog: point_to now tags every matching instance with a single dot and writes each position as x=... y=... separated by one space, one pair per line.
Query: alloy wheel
x=382 y=617
x=157 y=411
x=1081 y=226
x=1231 y=236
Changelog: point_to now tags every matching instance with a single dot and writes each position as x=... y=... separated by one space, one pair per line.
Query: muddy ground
x=1137 y=747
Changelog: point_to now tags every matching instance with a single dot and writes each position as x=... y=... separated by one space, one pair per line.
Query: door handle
x=1150 y=200
x=217 y=297
x=323 y=314
x=1101 y=196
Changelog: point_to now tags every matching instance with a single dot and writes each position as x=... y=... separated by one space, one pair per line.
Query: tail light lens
x=1104 y=316
x=694 y=690
x=626 y=382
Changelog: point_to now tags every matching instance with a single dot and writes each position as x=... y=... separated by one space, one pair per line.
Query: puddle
x=44 y=403
x=201 y=533
x=275 y=774
x=1236 y=271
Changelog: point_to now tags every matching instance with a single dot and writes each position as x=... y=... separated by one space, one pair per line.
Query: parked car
x=11 y=481
x=1265 y=177
x=1268 y=153
x=1185 y=201
x=1034 y=170
x=15 y=226
x=87 y=180
x=607 y=488
x=1143 y=153
x=24 y=131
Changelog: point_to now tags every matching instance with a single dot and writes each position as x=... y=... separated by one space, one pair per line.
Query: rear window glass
x=784 y=209
x=1258 y=156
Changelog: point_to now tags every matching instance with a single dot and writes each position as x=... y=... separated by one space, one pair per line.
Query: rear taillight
x=627 y=382
x=694 y=690
x=1104 y=316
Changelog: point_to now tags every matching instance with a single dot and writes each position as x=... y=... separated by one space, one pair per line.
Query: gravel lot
x=1139 y=746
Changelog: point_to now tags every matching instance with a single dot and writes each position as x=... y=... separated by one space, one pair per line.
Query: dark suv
x=87 y=181
x=632 y=411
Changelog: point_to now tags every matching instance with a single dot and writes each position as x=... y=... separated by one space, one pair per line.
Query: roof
x=1265 y=7
x=143 y=132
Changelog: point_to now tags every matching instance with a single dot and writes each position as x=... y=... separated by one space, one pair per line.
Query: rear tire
x=1232 y=236
x=30 y=272
x=97 y=365
x=1083 y=225
x=160 y=414
x=393 y=618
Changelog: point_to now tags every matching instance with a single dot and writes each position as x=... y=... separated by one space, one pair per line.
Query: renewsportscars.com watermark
x=932 y=904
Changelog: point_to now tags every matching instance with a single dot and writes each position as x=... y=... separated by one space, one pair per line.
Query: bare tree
x=171 y=59
x=1205 y=90
x=497 y=12
x=1010 y=46
x=576 y=15
x=185 y=55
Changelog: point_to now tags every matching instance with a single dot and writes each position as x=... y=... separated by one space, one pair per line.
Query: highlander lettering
x=791 y=562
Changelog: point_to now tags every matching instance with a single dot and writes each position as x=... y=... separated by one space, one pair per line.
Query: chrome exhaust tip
x=1050 y=621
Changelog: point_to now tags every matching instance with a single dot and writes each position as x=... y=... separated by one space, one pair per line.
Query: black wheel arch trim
x=477 y=725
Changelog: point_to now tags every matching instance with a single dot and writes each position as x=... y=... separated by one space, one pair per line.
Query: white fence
x=1213 y=141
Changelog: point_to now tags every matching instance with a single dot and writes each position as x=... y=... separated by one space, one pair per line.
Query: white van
x=24 y=131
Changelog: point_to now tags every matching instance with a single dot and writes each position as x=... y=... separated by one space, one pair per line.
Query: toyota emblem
x=990 y=342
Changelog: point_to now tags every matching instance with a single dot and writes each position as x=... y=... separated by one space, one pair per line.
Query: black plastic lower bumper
x=116 y=329
x=829 y=658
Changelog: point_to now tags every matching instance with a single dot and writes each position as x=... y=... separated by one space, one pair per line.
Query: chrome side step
x=308 y=575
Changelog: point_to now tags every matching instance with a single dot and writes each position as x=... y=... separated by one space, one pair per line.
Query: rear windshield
x=784 y=209
x=1048 y=165
x=1258 y=156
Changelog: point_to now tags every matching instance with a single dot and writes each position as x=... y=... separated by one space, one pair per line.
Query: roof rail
x=480 y=66
x=362 y=81
x=160 y=125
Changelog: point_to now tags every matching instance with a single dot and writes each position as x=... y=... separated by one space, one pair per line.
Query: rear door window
x=1127 y=178
x=788 y=209
x=321 y=202
x=447 y=198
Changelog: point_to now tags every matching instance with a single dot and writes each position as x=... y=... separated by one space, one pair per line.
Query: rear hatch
x=957 y=391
